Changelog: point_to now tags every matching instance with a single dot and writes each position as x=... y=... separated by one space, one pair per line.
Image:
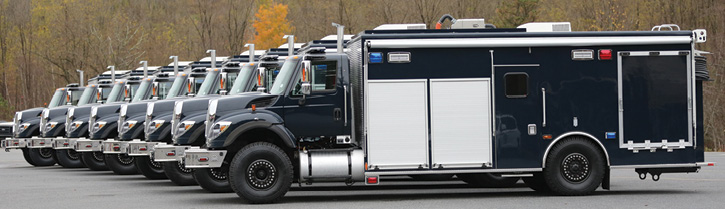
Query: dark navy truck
x=558 y=108
x=27 y=123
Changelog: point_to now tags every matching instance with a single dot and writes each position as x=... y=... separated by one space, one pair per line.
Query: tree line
x=43 y=42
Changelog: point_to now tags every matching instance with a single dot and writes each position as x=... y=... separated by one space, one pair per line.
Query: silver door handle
x=543 y=106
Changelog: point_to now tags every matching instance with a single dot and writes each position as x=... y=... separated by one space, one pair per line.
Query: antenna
x=290 y=44
x=176 y=64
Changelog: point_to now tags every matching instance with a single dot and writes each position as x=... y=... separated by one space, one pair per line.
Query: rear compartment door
x=655 y=100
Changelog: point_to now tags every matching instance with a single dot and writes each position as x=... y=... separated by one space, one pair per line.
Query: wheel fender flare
x=574 y=133
x=269 y=121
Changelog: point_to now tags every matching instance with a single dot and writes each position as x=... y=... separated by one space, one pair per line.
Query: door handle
x=543 y=106
x=336 y=114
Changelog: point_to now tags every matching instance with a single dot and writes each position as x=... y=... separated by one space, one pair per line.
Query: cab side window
x=323 y=77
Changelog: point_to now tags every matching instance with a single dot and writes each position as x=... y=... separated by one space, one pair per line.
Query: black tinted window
x=517 y=85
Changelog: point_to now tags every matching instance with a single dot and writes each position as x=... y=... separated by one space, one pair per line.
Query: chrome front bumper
x=163 y=152
x=204 y=158
x=62 y=143
x=39 y=142
x=140 y=148
x=14 y=143
x=87 y=145
x=115 y=147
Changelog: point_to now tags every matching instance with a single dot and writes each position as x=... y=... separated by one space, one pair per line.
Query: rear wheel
x=69 y=158
x=261 y=173
x=575 y=166
x=94 y=161
x=149 y=168
x=178 y=174
x=121 y=164
x=488 y=180
x=26 y=155
x=213 y=179
x=41 y=156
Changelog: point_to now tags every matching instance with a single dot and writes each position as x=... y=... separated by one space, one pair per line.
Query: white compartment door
x=397 y=121
x=460 y=122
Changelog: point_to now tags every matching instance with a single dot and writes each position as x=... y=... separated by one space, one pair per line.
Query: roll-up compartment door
x=460 y=122
x=397 y=121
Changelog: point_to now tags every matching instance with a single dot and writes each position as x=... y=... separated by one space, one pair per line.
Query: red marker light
x=16 y=143
x=372 y=180
x=605 y=54
x=142 y=148
x=42 y=143
x=88 y=146
x=711 y=164
x=170 y=154
x=203 y=159
x=65 y=144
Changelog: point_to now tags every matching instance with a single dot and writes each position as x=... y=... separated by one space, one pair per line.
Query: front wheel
x=261 y=173
x=178 y=174
x=213 y=179
x=41 y=156
x=26 y=155
x=121 y=164
x=149 y=168
x=69 y=158
x=575 y=166
x=94 y=161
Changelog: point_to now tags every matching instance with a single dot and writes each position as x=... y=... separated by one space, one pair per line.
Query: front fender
x=32 y=129
x=164 y=132
x=58 y=130
x=110 y=130
x=137 y=131
x=190 y=137
x=249 y=120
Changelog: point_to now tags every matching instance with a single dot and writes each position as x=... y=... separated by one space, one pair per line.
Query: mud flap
x=605 y=181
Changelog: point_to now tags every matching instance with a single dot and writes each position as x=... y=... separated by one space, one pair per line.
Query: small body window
x=517 y=85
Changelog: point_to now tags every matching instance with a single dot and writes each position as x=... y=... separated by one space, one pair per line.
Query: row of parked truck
x=491 y=106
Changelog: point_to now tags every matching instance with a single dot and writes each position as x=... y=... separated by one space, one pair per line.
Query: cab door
x=318 y=114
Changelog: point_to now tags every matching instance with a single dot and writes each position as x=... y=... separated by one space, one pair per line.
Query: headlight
x=73 y=126
x=154 y=125
x=150 y=109
x=183 y=127
x=22 y=127
x=128 y=125
x=50 y=126
x=98 y=126
x=217 y=130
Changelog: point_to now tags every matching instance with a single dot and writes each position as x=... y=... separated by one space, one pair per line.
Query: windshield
x=140 y=93
x=87 y=97
x=244 y=76
x=115 y=94
x=176 y=88
x=57 y=99
x=285 y=73
x=208 y=83
x=163 y=89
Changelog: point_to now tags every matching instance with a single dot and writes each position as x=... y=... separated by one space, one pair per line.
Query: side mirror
x=261 y=78
x=127 y=93
x=305 y=88
x=190 y=87
x=223 y=84
x=154 y=91
x=67 y=98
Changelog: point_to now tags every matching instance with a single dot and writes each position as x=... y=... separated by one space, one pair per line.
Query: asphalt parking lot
x=25 y=186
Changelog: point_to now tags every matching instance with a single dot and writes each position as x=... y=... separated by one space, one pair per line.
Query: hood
x=243 y=101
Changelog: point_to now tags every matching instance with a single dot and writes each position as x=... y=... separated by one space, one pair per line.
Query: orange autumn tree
x=270 y=25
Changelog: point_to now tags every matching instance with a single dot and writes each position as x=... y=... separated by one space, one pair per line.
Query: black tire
x=69 y=158
x=537 y=183
x=178 y=174
x=432 y=177
x=26 y=155
x=94 y=161
x=488 y=180
x=575 y=166
x=41 y=156
x=272 y=168
x=213 y=179
x=121 y=164
x=149 y=168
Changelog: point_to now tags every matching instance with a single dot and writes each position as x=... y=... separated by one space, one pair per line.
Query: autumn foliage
x=270 y=25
